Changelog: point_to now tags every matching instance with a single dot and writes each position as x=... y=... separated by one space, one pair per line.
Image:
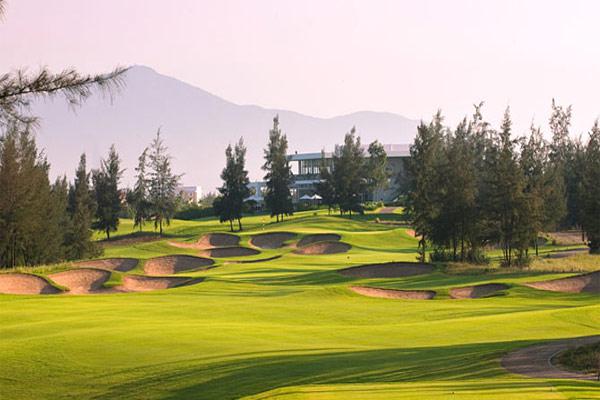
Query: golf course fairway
x=288 y=327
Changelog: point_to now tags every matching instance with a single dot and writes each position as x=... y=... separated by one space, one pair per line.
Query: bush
x=584 y=358
x=191 y=211
x=372 y=205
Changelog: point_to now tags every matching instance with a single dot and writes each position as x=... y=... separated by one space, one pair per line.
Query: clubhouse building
x=305 y=167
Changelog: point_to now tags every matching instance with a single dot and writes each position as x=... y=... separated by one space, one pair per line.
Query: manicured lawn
x=289 y=328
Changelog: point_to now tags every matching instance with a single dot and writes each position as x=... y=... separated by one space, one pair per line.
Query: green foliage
x=348 y=175
x=82 y=209
x=372 y=205
x=106 y=191
x=162 y=183
x=229 y=205
x=279 y=177
x=590 y=198
x=194 y=211
x=584 y=358
x=377 y=175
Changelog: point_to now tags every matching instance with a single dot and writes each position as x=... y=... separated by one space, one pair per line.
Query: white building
x=190 y=194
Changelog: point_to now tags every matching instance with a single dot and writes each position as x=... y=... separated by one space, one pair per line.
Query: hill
x=197 y=127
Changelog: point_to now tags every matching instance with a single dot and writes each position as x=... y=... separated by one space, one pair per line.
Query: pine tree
x=138 y=197
x=161 y=184
x=591 y=190
x=349 y=174
x=106 y=191
x=326 y=187
x=229 y=205
x=81 y=209
x=279 y=177
x=423 y=179
x=533 y=162
x=376 y=168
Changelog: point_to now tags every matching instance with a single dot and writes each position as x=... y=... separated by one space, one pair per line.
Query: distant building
x=305 y=167
x=189 y=194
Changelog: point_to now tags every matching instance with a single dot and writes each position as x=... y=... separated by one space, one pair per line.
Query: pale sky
x=325 y=58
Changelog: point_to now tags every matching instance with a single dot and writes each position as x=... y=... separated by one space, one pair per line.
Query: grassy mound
x=272 y=240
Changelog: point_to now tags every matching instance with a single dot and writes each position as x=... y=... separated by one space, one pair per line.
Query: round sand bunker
x=387 y=270
x=319 y=237
x=324 y=248
x=16 y=283
x=224 y=252
x=210 y=241
x=168 y=265
x=82 y=280
x=394 y=293
x=585 y=283
x=272 y=240
x=477 y=291
x=139 y=283
x=111 y=264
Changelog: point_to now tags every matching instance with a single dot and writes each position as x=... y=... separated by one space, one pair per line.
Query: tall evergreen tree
x=229 y=205
x=326 y=186
x=162 y=183
x=349 y=174
x=106 y=191
x=423 y=179
x=377 y=173
x=138 y=197
x=279 y=177
x=591 y=190
x=81 y=208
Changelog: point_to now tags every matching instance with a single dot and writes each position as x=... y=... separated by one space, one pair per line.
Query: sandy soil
x=209 y=241
x=411 y=233
x=16 y=283
x=224 y=252
x=536 y=361
x=387 y=270
x=81 y=280
x=110 y=264
x=567 y=253
x=477 y=291
x=139 y=283
x=566 y=238
x=585 y=283
x=319 y=237
x=324 y=248
x=394 y=293
x=271 y=240
x=168 y=265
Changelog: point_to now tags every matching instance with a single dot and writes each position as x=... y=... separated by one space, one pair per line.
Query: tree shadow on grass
x=195 y=378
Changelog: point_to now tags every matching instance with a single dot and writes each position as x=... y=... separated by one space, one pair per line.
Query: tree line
x=343 y=184
x=474 y=186
x=46 y=222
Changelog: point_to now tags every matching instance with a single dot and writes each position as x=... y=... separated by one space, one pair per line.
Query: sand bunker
x=17 y=283
x=218 y=240
x=272 y=240
x=82 y=280
x=585 y=283
x=387 y=270
x=324 y=248
x=394 y=293
x=111 y=264
x=210 y=241
x=139 y=283
x=254 y=261
x=477 y=291
x=319 y=237
x=174 y=264
x=224 y=252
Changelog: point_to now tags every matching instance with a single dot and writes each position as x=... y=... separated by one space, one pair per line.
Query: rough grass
x=288 y=328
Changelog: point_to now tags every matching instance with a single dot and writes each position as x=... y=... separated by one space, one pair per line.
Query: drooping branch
x=18 y=89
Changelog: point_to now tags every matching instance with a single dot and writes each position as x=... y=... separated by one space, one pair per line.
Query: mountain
x=196 y=126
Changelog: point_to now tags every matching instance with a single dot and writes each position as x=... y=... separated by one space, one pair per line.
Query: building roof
x=392 y=150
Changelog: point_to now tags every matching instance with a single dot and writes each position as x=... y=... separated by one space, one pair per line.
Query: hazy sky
x=325 y=58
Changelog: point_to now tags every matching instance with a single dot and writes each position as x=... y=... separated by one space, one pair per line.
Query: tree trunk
x=160 y=226
x=240 y=224
x=107 y=234
x=231 y=225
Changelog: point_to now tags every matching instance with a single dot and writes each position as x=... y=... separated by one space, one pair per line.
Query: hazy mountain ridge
x=196 y=126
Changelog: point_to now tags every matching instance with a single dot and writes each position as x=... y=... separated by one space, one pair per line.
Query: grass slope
x=288 y=328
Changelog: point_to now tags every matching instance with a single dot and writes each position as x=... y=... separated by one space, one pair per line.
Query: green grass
x=289 y=328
